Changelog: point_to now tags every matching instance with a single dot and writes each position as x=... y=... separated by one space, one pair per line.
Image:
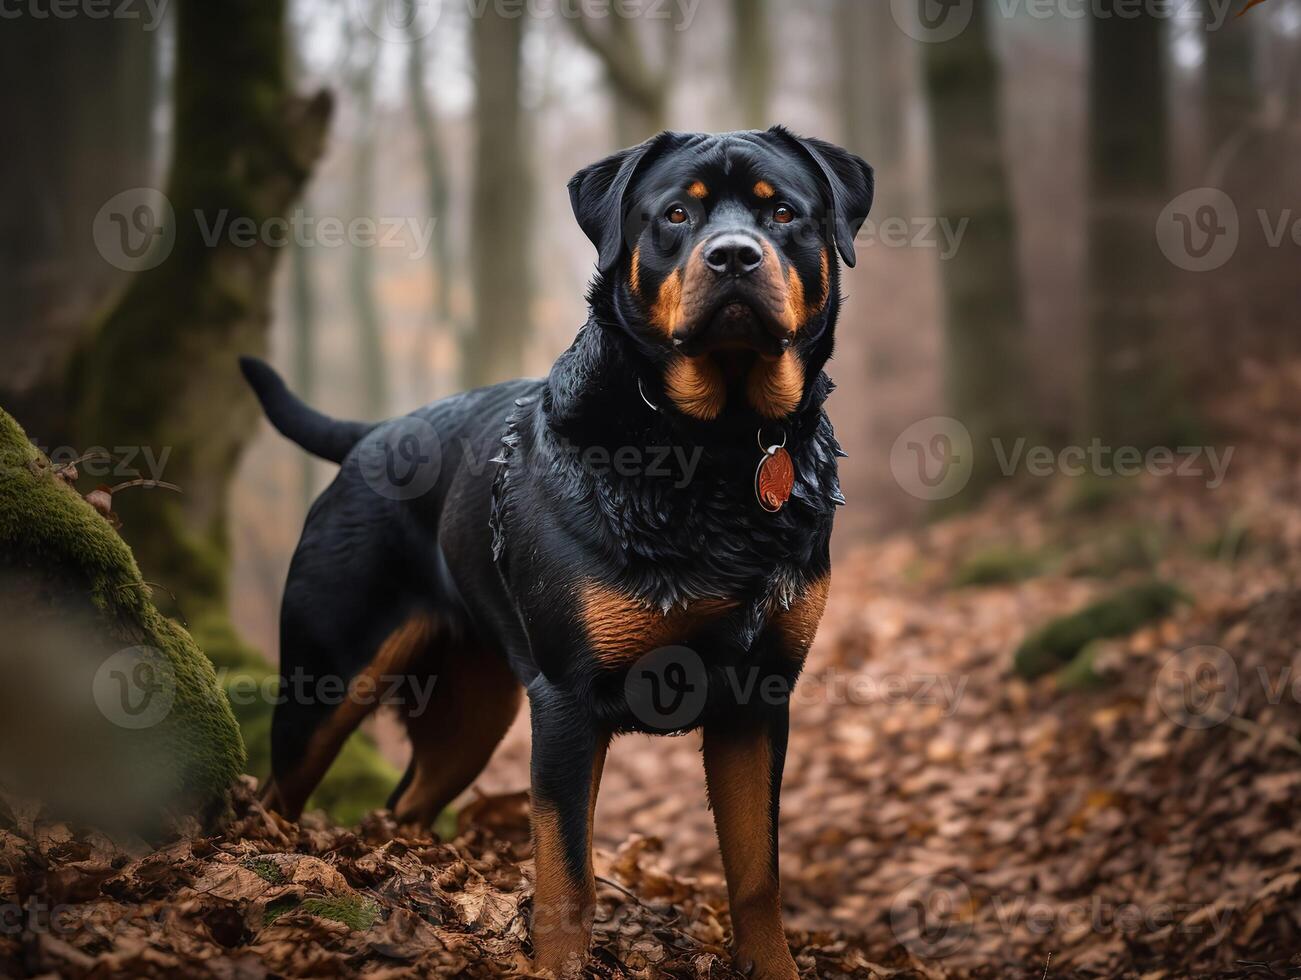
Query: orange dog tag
x=774 y=479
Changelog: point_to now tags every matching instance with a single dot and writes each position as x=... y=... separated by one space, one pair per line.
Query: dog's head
x=718 y=256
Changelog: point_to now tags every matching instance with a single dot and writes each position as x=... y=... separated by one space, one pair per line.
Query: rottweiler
x=638 y=542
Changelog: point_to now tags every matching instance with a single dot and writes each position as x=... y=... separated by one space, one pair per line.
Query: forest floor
x=942 y=817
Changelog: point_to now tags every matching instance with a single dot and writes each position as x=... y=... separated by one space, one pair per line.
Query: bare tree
x=641 y=90
x=985 y=334
x=1134 y=391
x=502 y=206
x=433 y=159
x=752 y=62
x=365 y=50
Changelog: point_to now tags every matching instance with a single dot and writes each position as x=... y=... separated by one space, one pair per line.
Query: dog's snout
x=734 y=255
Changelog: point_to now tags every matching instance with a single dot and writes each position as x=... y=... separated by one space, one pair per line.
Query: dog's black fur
x=536 y=563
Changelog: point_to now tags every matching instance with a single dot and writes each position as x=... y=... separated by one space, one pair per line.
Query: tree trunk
x=641 y=93
x=874 y=83
x=160 y=371
x=436 y=195
x=1231 y=90
x=502 y=206
x=1134 y=396
x=361 y=258
x=77 y=97
x=985 y=355
x=751 y=62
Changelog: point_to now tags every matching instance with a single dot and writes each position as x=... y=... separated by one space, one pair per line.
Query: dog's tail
x=319 y=434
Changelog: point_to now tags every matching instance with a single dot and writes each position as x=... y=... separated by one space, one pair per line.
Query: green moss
x=1057 y=643
x=48 y=530
x=266 y=869
x=352 y=910
x=1133 y=548
x=1081 y=673
x=997 y=565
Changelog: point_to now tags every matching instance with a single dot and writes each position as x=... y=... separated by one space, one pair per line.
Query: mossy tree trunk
x=985 y=335
x=160 y=369
x=1134 y=393
x=501 y=223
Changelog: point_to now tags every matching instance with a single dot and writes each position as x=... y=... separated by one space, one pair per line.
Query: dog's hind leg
x=455 y=728
x=308 y=732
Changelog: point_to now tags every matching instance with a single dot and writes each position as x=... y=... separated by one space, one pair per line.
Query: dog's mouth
x=733 y=325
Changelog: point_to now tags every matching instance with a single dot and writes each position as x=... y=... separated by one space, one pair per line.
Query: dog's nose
x=734 y=255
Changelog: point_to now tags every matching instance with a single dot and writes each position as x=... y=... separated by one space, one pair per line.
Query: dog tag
x=774 y=479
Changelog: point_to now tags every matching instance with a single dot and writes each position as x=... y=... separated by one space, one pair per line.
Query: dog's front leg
x=744 y=757
x=568 y=755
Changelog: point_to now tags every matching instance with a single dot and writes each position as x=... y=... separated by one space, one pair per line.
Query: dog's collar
x=774 y=478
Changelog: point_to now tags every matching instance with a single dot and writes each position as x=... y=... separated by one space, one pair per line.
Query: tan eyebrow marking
x=764 y=190
x=698 y=190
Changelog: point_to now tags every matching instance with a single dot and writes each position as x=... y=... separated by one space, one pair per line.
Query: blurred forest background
x=1010 y=276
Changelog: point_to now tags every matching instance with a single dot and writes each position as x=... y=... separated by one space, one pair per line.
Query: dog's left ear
x=849 y=182
x=597 y=194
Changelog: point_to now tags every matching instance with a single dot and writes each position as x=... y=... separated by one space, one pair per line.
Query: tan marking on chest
x=776 y=387
x=621 y=629
x=799 y=624
x=696 y=386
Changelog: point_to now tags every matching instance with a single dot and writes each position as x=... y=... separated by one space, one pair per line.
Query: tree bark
x=641 y=92
x=502 y=206
x=160 y=370
x=77 y=97
x=985 y=334
x=751 y=62
x=361 y=258
x=1134 y=391
x=434 y=162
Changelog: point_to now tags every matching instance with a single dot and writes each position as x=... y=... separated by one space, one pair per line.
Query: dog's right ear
x=598 y=194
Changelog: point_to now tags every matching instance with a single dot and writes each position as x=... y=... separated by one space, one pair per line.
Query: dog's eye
x=676 y=214
x=783 y=214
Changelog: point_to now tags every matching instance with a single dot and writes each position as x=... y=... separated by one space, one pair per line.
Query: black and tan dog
x=638 y=542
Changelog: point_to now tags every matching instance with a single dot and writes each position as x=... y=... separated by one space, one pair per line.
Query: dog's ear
x=849 y=182
x=598 y=193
